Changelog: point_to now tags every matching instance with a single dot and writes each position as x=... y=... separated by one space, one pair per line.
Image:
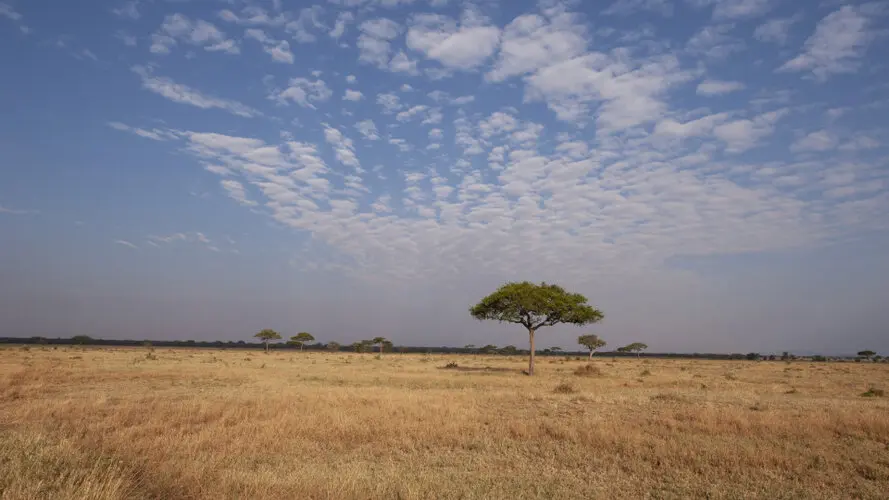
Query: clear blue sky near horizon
x=712 y=174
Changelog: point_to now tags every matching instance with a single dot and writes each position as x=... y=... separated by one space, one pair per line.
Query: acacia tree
x=267 y=335
x=333 y=346
x=535 y=306
x=591 y=342
x=300 y=339
x=867 y=354
x=380 y=341
x=636 y=347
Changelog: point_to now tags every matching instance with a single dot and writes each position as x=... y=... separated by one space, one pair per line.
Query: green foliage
x=267 y=335
x=591 y=342
x=82 y=339
x=300 y=339
x=873 y=392
x=867 y=354
x=754 y=356
x=534 y=306
x=489 y=349
x=509 y=350
x=636 y=347
x=333 y=346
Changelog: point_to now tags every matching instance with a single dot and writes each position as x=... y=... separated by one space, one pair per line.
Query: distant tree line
x=369 y=346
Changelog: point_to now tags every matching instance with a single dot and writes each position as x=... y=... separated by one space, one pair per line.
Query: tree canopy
x=300 y=339
x=267 y=335
x=534 y=306
x=591 y=342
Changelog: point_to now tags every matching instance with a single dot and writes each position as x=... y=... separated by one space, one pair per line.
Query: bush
x=873 y=392
x=452 y=365
x=564 y=388
x=588 y=370
x=645 y=373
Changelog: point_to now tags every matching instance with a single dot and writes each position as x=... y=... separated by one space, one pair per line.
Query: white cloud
x=368 y=129
x=342 y=20
x=304 y=92
x=410 y=113
x=389 y=102
x=715 y=42
x=717 y=87
x=126 y=244
x=351 y=79
x=374 y=41
x=16 y=211
x=463 y=100
x=352 y=95
x=531 y=42
x=309 y=20
x=237 y=192
x=126 y=38
x=156 y=134
x=401 y=63
x=627 y=7
x=184 y=94
x=628 y=92
x=775 y=30
x=278 y=49
x=821 y=140
x=129 y=10
x=837 y=46
x=740 y=9
x=178 y=27
x=741 y=135
x=343 y=147
x=463 y=47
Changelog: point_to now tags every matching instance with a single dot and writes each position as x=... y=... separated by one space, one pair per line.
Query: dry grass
x=112 y=423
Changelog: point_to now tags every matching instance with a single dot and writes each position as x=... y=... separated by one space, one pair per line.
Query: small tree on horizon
x=333 y=346
x=535 y=306
x=636 y=347
x=267 y=335
x=380 y=341
x=82 y=339
x=591 y=342
x=300 y=339
x=868 y=354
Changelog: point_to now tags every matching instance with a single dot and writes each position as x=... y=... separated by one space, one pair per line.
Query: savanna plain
x=131 y=423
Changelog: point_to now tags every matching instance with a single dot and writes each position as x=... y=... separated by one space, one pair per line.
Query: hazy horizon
x=712 y=174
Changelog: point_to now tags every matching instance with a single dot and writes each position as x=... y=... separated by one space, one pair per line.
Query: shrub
x=645 y=373
x=873 y=392
x=564 y=388
x=452 y=365
x=588 y=370
x=731 y=376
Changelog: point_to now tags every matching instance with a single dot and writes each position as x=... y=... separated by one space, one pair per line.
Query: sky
x=712 y=174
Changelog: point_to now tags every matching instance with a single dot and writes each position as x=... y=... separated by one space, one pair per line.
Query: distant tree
x=488 y=349
x=509 y=350
x=300 y=339
x=82 y=339
x=380 y=341
x=39 y=340
x=147 y=343
x=753 y=356
x=267 y=335
x=786 y=356
x=333 y=346
x=636 y=347
x=867 y=354
x=357 y=346
x=470 y=348
x=555 y=349
x=591 y=342
x=877 y=358
x=534 y=306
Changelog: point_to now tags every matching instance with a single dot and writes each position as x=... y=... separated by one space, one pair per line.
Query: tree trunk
x=300 y=347
x=266 y=346
x=591 y=354
x=531 y=359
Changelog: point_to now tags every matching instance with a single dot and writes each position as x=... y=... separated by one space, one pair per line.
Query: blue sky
x=711 y=173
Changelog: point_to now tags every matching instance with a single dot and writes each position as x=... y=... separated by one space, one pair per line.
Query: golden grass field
x=109 y=423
